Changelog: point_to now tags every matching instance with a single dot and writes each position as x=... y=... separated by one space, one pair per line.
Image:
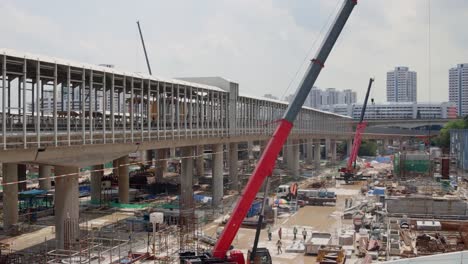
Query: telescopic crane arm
x=361 y=126
x=268 y=158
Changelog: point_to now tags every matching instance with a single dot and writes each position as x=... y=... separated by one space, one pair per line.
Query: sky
x=264 y=45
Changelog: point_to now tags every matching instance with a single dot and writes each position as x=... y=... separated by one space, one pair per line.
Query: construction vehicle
x=348 y=173
x=328 y=254
x=268 y=158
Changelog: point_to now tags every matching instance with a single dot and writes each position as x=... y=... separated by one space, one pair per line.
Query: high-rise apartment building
x=401 y=85
x=331 y=96
x=458 y=88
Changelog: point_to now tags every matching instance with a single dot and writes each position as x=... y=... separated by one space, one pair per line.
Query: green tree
x=443 y=140
x=368 y=148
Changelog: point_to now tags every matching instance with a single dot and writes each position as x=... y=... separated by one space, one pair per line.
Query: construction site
x=101 y=165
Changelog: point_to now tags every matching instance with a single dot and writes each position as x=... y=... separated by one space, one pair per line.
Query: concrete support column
x=200 y=162
x=349 y=146
x=285 y=152
x=217 y=176
x=66 y=206
x=327 y=149
x=309 y=152
x=10 y=195
x=386 y=144
x=149 y=157
x=233 y=166
x=124 y=183
x=97 y=171
x=186 y=177
x=22 y=177
x=45 y=171
x=293 y=158
x=263 y=144
x=161 y=164
x=172 y=152
x=333 y=150
x=317 y=153
x=250 y=146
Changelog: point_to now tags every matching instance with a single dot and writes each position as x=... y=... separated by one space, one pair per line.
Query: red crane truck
x=267 y=161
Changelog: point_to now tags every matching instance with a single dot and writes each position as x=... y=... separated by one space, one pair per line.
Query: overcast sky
x=259 y=44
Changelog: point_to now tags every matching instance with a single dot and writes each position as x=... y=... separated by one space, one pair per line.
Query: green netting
x=168 y=206
x=129 y=206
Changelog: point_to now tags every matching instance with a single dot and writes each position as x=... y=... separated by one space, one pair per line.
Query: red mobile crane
x=348 y=174
x=267 y=161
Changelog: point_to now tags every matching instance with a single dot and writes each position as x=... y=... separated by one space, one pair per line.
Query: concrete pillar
x=309 y=152
x=186 y=177
x=22 y=177
x=97 y=171
x=149 y=157
x=172 y=152
x=10 y=195
x=333 y=150
x=161 y=164
x=66 y=206
x=233 y=166
x=45 y=171
x=317 y=154
x=217 y=175
x=293 y=157
x=285 y=153
x=200 y=163
x=327 y=149
x=124 y=183
x=386 y=144
x=349 y=146
x=263 y=144
x=250 y=149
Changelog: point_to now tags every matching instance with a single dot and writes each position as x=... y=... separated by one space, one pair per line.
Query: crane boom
x=361 y=126
x=144 y=49
x=267 y=161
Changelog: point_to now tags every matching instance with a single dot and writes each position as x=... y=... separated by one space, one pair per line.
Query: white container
x=157 y=218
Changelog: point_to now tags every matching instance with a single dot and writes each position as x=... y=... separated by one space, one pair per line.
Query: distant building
x=315 y=98
x=458 y=88
x=405 y=110
x=270 y=96
x=289 y=98
x=349 y=96
x=401 y=85
x=318 y=98
x=459 y=147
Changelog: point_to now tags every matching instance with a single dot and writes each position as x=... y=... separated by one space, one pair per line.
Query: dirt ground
x=312 y=218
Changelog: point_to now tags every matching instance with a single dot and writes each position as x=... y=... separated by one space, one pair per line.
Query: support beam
x=317 y=153
x=66 y=206
x=309 y=151
x=295 y=158
x=233 y=166
x=349 y=146
x=149 y=157
x=124 y=183
x=22 y=177
x=161 y=164
x=217 y=176
x=200 y=162
x=10 y=196
x=333 y=150
x=186 y=179
x=250 y=146
x=97 y=171
x=45 y=171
